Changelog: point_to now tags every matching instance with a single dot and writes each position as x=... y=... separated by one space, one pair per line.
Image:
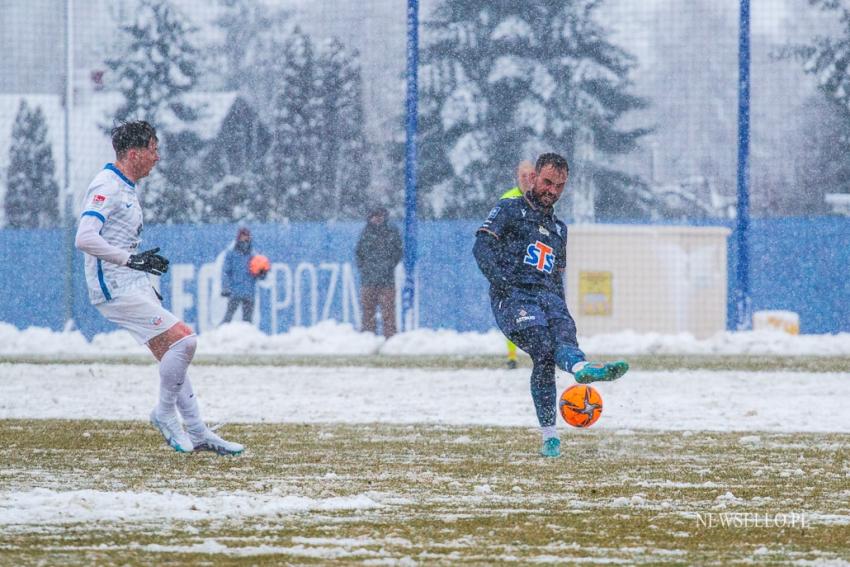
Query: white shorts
x=140 y=313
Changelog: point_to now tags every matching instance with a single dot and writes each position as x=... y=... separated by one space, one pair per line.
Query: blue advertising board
x=796 y=264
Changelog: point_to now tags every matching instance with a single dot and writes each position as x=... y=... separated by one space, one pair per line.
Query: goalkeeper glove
x=149 y=261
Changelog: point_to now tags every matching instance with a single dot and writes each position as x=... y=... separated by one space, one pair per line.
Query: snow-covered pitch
x=672 y=400
x=704 y=443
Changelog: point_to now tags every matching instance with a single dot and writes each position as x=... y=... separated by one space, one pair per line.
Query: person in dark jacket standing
x=378 y=251
x=237 y=282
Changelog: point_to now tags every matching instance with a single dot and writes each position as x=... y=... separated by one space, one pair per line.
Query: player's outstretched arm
x=89 y=240
x=149 y=261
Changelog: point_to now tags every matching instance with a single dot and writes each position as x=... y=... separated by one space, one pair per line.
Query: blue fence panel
x=453 y=293
x=800 y=265
x=797 y=264
x=33 y=278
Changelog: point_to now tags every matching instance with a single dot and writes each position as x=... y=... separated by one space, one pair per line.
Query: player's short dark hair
x=557 y=161
x=134 y=134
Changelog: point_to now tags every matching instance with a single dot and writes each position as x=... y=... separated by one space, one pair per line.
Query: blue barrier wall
x=797 y=264
x=32 y=278
x=800 y=265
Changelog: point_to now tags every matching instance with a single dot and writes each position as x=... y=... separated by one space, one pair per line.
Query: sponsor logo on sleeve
x=490 y=218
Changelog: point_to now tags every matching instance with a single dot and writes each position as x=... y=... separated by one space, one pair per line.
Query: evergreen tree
x=503 y=81
x=233 y=166
x=156 y=68
x=343 y=161
x=317 y=164
x=824 y=163
x=290 y=163
x=251 y=33
x=309 y=97
x=32 y=194
x=828 y=58
x=158 y=65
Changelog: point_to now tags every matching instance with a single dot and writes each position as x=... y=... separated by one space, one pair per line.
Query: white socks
x=172 y=373
x=187 y=403
x=548 y=432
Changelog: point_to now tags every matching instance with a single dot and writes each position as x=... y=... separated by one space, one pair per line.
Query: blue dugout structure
x=796 y=264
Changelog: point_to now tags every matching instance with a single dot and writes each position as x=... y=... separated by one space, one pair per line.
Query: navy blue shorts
x=521 y=309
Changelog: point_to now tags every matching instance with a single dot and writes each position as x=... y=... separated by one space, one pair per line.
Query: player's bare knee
x=180 y=332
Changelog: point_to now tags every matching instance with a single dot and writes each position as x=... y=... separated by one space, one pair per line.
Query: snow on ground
x=698 y=400
x=41 y=506
x=332 y=338
x=687 y=400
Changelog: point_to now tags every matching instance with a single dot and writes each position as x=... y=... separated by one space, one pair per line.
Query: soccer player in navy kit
x=522 y=251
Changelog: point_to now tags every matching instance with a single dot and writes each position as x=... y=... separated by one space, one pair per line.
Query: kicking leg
x=570 y=358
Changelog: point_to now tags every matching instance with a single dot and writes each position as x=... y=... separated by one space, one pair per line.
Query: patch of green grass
x=447 y=495
x=744 y=362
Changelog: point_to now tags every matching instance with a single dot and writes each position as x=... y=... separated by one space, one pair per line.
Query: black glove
x=225 y=293
x=149 y=261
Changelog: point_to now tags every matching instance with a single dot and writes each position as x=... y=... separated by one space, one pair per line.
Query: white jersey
x=112 y=199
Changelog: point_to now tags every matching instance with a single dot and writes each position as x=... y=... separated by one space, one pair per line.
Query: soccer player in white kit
x=109 y=234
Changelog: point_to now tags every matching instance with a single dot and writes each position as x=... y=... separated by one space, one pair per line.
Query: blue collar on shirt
x=116 y=171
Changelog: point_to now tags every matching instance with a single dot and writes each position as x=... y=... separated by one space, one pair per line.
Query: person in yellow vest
x=524 y=173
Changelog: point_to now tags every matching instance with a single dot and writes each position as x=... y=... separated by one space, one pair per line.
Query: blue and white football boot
x=209 y=441
x=172 y=431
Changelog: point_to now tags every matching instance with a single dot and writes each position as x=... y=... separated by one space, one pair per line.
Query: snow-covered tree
x=291 y=162
x=32 y=194
x=503 y=81
x=155 y=67
x=343 y=159
x=828 y=59
x=308 y=94
x=251 y=30
x=233 y=167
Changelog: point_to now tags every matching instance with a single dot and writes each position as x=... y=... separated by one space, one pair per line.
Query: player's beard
x=543 y=198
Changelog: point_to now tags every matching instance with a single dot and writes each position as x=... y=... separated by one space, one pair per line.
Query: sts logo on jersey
x=540 y=256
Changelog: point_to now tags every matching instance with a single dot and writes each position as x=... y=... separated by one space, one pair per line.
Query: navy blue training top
x=522 y=244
